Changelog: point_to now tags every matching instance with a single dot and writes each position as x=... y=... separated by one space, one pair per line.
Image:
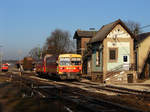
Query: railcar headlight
x=61 y=68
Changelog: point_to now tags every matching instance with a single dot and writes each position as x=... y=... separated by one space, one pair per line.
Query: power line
x=145 y=26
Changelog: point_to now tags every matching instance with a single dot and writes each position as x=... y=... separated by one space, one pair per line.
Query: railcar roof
x=69 y=55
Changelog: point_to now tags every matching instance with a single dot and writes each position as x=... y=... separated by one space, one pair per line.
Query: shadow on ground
x=12 y=100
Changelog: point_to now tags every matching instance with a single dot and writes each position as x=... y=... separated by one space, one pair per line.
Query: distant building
x=82 y=38
x=142 y=52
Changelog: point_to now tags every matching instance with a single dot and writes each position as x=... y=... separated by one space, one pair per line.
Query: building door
x=130 y=78
x=125 y=62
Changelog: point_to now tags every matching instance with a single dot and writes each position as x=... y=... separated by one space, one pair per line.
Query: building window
x=113 y=54
x=125 y=58
x=97 y=58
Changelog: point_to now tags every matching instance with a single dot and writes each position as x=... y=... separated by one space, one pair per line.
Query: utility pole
x=1 y=56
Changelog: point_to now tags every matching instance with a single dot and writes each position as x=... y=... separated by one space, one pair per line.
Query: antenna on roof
x=92 y=29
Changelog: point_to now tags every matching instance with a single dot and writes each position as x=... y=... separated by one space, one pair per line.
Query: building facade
x=113 y=53
x=82 y=38
x=143 y=55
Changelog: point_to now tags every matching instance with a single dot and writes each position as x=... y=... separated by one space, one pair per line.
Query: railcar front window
x=65 y=61
x=75 y=61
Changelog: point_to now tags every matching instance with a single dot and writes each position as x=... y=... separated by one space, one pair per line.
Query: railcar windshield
x=75 y=61
x=70 y=61
x=5 y=65
x=64 y=61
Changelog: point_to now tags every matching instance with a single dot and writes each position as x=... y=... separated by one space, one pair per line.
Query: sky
x=25 y=24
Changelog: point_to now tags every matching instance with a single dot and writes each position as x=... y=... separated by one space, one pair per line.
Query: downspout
x=136 y=46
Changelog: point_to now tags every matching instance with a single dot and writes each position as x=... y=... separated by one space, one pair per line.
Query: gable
x=118 y=32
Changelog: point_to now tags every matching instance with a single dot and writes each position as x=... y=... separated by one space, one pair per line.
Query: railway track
x=88 y=85
x=86 y=103
x=114 y=89
x=108 y=88
x=52 y=89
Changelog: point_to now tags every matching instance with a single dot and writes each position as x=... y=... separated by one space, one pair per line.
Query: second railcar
x=47 y=65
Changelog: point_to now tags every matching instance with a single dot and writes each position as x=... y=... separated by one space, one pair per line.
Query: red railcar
x=50 y=64
x=39 y=67
x=4 y=67
x=47 y=65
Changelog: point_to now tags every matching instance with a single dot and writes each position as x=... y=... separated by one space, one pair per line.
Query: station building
x=113 y=54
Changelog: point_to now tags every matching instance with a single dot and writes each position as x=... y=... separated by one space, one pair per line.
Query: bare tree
x=35 y=53
x=133 y=26
x=59 y=42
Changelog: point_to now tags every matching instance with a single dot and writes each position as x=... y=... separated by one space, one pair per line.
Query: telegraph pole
x=1 y=56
